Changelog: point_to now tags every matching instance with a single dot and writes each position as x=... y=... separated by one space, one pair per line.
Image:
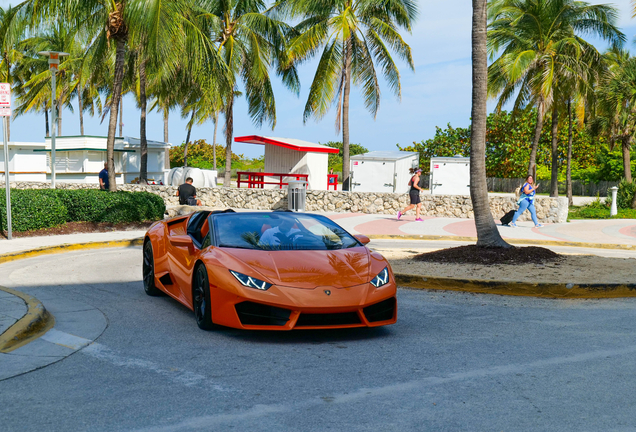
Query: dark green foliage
x=43 y=208
x=335 y=159
x=625 y=194
x=508 y=144
x=30 y=210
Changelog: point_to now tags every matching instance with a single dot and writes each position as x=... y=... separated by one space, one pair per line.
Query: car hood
x=308 y=269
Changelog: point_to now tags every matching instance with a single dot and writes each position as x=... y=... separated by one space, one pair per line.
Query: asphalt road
x=452 y=362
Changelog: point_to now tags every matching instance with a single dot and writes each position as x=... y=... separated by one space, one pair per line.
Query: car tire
x=149 y=271
x=201 y=298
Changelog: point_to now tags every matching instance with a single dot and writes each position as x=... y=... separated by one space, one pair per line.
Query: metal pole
x=6 y=174
x=53 y=127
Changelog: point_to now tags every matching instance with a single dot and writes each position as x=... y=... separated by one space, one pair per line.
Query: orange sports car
x=268 y=271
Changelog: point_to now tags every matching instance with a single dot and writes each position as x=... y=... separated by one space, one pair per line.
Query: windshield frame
x=347 y=240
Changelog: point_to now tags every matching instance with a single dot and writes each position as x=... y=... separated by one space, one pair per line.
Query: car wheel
x=149 y=271
x=201 y=298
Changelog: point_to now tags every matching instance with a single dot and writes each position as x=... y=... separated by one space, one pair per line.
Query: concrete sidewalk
x=620 y=233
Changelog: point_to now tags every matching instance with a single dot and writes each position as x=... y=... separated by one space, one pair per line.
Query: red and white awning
x=290 y=143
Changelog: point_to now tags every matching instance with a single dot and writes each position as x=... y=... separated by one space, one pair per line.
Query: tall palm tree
x=356 y=37
x=12 y=28
x=250 y=42
x=528 y=36
x=487 y=233
x=114 y=22
x=616 y=108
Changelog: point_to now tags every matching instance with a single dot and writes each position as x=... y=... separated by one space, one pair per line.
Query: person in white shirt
x=283 y=233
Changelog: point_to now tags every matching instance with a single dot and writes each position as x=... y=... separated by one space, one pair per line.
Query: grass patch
x=587 y=212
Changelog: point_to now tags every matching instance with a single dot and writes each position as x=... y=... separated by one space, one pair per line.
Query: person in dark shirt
x=188 y=194
x=103 y=177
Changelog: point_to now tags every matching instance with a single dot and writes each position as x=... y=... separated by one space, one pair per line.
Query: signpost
x=54 y=61
x=5 y=113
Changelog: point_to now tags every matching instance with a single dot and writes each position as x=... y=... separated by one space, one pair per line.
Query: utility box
x=450 y=176
x=382 y=171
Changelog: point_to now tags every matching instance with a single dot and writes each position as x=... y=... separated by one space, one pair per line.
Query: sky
x=436 y=93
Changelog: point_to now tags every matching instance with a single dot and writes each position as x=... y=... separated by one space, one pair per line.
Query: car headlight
x=381 y=279
x=250 y=281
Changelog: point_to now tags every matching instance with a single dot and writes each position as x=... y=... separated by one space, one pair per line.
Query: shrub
x=33 y=209
x=625 y=194
x=36 y=209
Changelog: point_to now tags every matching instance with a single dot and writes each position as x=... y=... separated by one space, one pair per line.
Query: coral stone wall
x=554 y=210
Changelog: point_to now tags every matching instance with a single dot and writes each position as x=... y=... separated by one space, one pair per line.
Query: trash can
x=296 y=195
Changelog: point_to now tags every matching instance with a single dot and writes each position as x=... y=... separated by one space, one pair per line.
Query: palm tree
x=12 y=28
x=487 y=233
x=529 y=36
x=162 y=22
x=356 y=37
x=249 y=41
x=616 y=108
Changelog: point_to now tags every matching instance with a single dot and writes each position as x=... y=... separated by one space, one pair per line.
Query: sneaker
x=512 y=225
x=538 y=226
x=419 y=220
x=399 y=215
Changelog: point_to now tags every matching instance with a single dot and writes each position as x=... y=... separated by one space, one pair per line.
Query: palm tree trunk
x=568 y=179
x=112 y=123
x=46 y=122
x=535 y=140
x=216 y=123
x=143 y=142
x=166 y=113
x=187 y=143
x=554 y=177
x=229 y=130
x=346 y=179
x=81 y=109
x=121 y=117
x=627 y=166
x=487 y=233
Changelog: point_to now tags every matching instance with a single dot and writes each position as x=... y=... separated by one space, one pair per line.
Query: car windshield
x=280 y=231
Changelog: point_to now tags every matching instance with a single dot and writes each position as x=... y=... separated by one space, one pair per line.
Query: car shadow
x=310 y=337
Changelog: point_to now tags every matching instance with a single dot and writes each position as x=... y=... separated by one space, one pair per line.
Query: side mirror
x=362 y=238
x=180 y=240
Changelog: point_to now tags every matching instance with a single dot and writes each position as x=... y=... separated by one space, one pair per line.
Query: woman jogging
x=526 y=201
x=414 y=195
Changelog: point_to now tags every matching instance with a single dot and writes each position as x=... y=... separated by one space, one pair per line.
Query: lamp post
x=54 y=61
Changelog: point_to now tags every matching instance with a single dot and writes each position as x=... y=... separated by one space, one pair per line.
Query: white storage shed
x=382 y=171
x=24 y=163
x=79 y=159
x=293 y=156
x=450 y=176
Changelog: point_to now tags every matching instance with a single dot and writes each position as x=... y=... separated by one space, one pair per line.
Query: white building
x=79 y=159
x=293 y=156
x=382 y=171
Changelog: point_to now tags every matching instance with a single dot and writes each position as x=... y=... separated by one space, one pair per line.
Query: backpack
x=518 y=192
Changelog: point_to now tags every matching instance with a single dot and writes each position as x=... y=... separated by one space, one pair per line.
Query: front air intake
x=326 y=320
x=385 y=310
x=250 y=313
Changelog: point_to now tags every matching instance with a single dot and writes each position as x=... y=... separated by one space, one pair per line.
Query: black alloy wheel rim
x=149 y=267
x=200 y=303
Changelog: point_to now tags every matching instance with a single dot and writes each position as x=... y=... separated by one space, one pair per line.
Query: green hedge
x=44 y=208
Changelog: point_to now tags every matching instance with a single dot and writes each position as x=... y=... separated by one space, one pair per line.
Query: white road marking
x=65 y=339
x=207 y=422
x=180 y=376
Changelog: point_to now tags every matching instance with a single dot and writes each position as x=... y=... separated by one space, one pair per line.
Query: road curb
x=546 y=290
x=32 y=325
x=510 y=241
x=38 y=320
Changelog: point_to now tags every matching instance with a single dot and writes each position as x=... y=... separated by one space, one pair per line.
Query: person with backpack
x=414 y=196
x=526 y=202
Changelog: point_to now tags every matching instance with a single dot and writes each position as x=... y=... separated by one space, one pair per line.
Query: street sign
x=5 y=100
